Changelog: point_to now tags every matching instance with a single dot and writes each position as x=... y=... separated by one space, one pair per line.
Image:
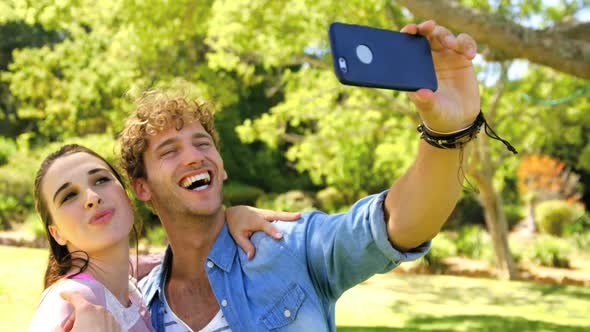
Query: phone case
x=371 y=57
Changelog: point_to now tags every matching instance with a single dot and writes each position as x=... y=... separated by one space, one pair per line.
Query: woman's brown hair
x=60 y=259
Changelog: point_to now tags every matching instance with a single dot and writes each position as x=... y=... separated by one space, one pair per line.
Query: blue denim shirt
x=292 y=284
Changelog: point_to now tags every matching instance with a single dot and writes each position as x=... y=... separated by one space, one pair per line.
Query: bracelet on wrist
x=459 y=138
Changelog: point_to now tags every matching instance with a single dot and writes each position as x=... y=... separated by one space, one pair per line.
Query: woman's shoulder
x=52 y=311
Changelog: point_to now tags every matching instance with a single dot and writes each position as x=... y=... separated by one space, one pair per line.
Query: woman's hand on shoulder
x=87 y=316
x=243 y=221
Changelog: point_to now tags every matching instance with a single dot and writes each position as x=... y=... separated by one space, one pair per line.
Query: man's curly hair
x=157 y=111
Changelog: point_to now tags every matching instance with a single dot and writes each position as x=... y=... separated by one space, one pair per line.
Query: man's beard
x=175 y=207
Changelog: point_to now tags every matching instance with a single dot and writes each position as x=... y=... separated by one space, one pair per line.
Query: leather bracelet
x=459 y=139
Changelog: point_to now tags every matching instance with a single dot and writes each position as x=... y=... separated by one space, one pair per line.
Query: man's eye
x=168 y=152
x=102 y=179
x=203 y=144
x=68 y=197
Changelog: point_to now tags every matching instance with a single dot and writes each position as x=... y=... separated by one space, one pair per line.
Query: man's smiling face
x=185 y=172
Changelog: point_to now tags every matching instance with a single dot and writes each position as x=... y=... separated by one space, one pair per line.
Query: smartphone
x=377 y=58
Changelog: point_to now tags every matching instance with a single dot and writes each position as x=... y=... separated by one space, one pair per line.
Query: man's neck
x=191 y=238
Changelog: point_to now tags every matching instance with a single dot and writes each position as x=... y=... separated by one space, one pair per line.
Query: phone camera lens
x=342 y=65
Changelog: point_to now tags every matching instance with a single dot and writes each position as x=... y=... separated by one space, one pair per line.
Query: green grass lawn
x=388 y=302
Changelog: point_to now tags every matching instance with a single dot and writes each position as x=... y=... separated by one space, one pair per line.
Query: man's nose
x=92 y=199
x=192 y=156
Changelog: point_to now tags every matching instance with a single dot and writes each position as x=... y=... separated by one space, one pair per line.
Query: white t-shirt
x=174 y=324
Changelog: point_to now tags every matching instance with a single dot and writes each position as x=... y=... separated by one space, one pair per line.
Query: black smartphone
x=378 y=58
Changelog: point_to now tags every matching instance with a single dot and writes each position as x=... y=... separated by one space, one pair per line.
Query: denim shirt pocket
x=284 y=311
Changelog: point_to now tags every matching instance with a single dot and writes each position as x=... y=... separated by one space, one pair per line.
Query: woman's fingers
x=243 y=240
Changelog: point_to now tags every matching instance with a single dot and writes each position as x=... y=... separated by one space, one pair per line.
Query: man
x=169 y=151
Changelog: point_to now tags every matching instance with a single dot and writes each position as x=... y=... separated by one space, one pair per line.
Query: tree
x=564 y=46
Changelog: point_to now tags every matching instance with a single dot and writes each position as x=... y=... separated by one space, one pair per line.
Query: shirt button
x=224 y=303
x=287 y=313
x=209 y=264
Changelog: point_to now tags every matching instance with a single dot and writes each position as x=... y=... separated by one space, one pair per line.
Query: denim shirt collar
x=222 y=254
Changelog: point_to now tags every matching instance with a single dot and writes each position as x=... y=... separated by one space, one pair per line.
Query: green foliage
x=443 y=246
x=292 y=201
x=7 y=149
x=553 y=216
x=549 y=251
x=34 y=226
x=468 y=211
x=156 y=235
x=235 y=193
x=332 y=200
x=514 y=214
x=471 y=242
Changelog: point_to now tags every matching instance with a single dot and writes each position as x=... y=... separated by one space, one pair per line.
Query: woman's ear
x=54 y=231
x=141 y=189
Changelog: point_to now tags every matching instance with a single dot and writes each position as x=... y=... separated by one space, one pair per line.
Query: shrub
x=16 y=195
x=549 y=251
x=156 y=235
x=442 y=247
x=332 y=200
x=7 y=149
x=514 y=215
x=553 y=216
x=236 y=193
x=471 y=242
x=468 y=211
x=295 y=200
x=34 y=226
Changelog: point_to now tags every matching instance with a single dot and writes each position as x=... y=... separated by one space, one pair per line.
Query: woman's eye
x=68 y=196
x=102 y=179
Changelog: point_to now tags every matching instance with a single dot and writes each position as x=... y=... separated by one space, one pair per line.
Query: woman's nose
x=92 y=200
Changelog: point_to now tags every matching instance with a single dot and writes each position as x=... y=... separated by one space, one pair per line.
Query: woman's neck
x=110 y=267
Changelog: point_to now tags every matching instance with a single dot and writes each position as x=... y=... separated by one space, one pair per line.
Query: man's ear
x=141 y=189
x=56 y=235
x=225 y=175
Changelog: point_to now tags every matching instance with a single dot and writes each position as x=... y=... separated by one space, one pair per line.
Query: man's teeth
x=201 y=181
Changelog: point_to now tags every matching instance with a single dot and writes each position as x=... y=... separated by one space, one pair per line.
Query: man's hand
x=456 y=103
x=242 y=221
x=87 y=317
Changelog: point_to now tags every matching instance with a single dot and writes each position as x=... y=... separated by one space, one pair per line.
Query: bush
x=7 y=149
x=293 y=201
x=442 y=247
x=156 y=235
x=471 y=242
x=236 y=193
x=332 y=200
x=34 y=226
x=16 y=194
x=549 y=251
x=467 y=212
x=553 y=216
x=514 y=215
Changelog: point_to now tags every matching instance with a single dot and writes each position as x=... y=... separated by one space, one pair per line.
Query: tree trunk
x=561 y=49
x=495 y=217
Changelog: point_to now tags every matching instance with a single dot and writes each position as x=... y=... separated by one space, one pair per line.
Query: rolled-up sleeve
x=343 y=250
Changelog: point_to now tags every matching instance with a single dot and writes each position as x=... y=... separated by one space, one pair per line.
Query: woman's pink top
x=53 y=311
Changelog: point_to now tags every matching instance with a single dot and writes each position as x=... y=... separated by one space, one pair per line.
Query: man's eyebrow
x=166 y=142
x=63 y=186
x=201 y=135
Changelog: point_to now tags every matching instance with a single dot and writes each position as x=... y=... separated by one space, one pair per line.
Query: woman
x=88 y=216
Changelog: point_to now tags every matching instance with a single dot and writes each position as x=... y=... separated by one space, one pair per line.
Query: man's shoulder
x=149 y=284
